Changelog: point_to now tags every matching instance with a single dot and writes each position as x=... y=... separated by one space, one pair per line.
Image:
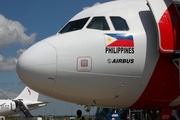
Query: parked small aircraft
x=25 y=101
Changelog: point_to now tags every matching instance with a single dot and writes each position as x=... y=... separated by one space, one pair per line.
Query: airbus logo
x=128 y=61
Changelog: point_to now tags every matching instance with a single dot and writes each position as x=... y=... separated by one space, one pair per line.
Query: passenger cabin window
x=99 y=23
x=119 y=23
x=74 y=25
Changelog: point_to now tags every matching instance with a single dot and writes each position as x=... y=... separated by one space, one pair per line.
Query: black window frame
x=74 y=25
x=119 y=23
x=98 y=19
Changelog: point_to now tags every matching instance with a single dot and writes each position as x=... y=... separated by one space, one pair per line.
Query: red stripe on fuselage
x=163 y=87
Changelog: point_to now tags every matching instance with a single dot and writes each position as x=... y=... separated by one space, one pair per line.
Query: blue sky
x=23 y=23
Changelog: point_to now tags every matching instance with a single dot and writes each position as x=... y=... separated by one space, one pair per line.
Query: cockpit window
x=99 y=23
x=178 y=7
x=119 y=23
x=74 y=25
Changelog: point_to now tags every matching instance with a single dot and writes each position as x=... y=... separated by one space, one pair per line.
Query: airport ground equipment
x=107 y=114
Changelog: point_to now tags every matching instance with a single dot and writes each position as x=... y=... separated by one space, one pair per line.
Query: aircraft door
x=168 y=25
x=13 y=105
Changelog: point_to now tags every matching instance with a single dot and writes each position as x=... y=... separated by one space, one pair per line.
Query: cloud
x=12 y=32
x=19 y=52
x=7 y=64
x=7 y=95
x=98 y=3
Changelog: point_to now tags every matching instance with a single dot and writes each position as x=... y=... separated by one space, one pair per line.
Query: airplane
x=119 y=54
x=25 y=101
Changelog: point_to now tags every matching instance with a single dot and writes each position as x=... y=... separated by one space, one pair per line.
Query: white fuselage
x=79 y=67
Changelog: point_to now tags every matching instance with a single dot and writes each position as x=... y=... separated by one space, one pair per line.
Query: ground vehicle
x=72 y=118
x=120 y=114
x=107 y=114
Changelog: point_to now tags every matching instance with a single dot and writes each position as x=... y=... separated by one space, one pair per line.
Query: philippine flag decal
x=119 y=40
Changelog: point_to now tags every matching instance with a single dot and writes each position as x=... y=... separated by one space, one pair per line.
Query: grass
x=43 y=118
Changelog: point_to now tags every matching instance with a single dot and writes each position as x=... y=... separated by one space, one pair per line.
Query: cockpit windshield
x=99 y=23
x=74 y=25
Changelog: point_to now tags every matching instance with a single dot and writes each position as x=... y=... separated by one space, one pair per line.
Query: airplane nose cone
x=36 y=67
